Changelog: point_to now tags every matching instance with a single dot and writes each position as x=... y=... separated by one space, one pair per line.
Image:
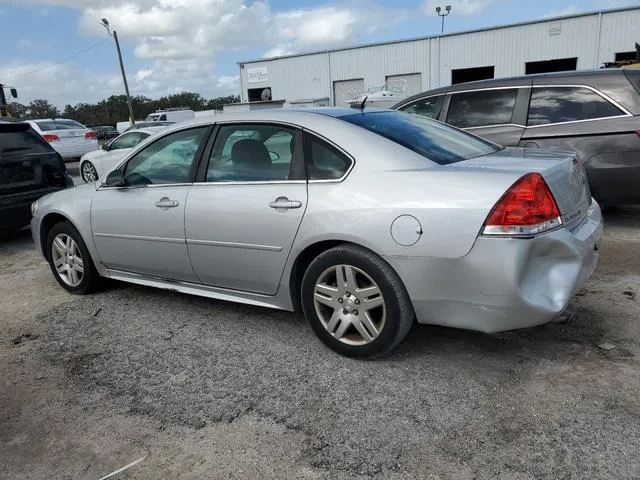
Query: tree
x=17 y=110
x=217 y=103
x=41 y=108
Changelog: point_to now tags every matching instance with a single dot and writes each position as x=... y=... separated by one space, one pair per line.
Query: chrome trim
x=577 y=121
x=496 y=125
x=263 y=182
x=248 y=246
x=139 y=237
x=154 y=185
x=416 y=100
x=522 y=230
x=513 y=87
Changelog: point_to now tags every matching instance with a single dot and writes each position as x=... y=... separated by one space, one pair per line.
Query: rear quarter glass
x=634 y=78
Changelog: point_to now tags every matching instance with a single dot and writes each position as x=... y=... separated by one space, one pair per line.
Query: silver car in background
x=68 y=137
x=364 y=220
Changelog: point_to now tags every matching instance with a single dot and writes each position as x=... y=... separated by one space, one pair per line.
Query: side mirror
x=114 y=179
x=105 y=146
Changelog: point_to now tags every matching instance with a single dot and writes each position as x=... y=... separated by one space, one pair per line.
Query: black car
x=105 y=132
x=29 y=169
x=594 y=113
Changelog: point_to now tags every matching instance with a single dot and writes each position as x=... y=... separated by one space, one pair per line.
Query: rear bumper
x=74 y=151
x=504 y=283
x=15 y=210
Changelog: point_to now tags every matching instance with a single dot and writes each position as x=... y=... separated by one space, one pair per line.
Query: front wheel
x=88 y=172
x=355 y=302
x=69 y=259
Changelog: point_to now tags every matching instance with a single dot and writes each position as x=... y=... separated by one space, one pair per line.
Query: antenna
x=363 y=102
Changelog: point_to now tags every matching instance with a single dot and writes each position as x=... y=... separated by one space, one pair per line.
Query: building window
x=259 y=94
x=481 y=108
x=547 y=66
x=463 y=75
x=568 y=104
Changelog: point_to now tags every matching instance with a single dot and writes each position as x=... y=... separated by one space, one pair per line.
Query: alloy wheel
x=67 y=259
x=349 y=304
x=89 y=173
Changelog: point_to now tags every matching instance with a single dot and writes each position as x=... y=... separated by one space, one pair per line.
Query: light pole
x=124 y=76
x=442 y=15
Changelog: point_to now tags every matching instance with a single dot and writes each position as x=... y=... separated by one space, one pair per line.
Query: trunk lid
x=27 y=162
x=562 y=171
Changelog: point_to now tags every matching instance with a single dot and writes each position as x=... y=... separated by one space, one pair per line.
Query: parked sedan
x=594 y=113
x=29 y=169
x=68 y=137
x=367 y=221
x=105 y=132
x=94 y=164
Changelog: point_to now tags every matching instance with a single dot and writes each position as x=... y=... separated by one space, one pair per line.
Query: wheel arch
x=47 y=223
x=304 y=259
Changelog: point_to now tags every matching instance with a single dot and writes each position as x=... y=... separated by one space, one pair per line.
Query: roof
x=452 y=34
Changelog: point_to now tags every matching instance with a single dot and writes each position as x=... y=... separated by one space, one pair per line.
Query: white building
x=332 y=77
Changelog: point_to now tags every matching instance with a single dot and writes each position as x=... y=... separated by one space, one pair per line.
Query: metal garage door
x=413 y=82
x=344 y=90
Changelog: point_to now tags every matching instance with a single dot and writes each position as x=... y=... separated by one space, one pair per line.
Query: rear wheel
x=355 y=302
x=88 y=172
x=69 y=259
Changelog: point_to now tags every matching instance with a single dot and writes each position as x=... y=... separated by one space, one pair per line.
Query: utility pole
x=132 y=120
x=442 y=15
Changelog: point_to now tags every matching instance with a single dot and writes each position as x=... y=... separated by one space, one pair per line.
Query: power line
x=60 y=62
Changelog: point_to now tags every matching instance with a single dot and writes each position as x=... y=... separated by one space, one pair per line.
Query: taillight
x=91 y=136
x=527 y=208
x=49 y=137
x=638 y=133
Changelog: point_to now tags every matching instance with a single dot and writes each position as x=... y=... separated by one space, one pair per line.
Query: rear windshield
x=47 y=125
x=19 y=142
x=431 y=139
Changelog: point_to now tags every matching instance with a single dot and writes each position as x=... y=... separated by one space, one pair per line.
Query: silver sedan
x=364 y=220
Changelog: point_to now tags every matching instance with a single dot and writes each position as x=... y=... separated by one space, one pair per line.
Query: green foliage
x=114 y=109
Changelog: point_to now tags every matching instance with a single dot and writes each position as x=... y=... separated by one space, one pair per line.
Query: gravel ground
x=208 y=389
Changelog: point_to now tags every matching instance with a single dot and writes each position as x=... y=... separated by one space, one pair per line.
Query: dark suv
x=595 y=113
x=29 y=169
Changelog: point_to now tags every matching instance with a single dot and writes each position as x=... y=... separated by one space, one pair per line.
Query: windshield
x=431 y=139
x=46 y=125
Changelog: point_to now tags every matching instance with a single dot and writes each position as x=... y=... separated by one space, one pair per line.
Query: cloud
x=459 y=7
x=568 y=10
x=176 y=42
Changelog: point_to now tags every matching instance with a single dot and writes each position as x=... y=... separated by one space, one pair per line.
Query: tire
x=69 y=256
x=351 y=323
x=87 y=169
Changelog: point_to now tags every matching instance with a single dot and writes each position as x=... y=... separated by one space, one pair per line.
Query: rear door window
x=568 y=104
x=481 y=108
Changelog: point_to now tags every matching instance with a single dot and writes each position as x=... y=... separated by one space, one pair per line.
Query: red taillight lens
x=527 y=208
x=50 y=137
x=638 y=133
x=91 y=136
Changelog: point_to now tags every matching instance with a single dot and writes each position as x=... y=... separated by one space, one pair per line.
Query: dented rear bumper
x=504 y=283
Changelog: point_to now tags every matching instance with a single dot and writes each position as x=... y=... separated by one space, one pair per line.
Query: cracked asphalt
x=208 y=389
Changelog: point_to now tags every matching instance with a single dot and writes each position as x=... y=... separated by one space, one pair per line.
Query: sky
x=58 y=50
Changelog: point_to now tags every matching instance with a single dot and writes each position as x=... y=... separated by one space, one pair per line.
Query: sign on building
x=257 y=75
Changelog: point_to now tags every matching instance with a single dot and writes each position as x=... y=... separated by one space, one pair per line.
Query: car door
x=138 y=226
x=493 y=114
x=243 y=216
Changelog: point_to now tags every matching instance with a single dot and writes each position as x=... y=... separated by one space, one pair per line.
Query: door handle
x=165 y=203
x=283 y=203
